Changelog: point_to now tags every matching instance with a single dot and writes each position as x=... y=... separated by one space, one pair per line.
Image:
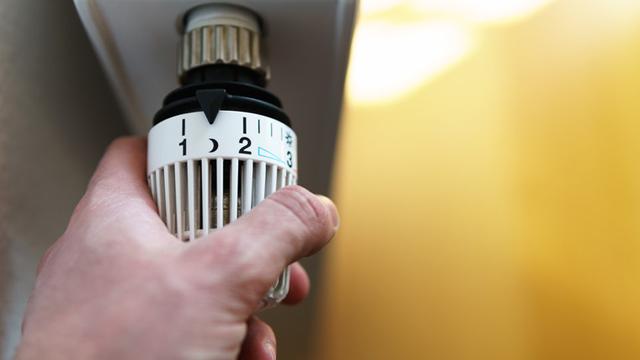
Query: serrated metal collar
x=220 y=44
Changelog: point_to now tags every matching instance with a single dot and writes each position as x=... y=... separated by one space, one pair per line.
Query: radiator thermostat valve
x=221 y=143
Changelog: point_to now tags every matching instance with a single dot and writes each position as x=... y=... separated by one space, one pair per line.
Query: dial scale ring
x=233 y=134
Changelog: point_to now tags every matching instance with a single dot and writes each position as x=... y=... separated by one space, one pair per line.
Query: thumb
x=290 y=224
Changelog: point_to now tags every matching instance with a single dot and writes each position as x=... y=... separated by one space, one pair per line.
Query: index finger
x=119 y=186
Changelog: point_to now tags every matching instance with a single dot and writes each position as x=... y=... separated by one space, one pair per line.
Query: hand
x=117 y=285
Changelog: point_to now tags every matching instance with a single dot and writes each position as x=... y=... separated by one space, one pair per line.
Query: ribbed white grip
x=203 y=176
x=189 y=194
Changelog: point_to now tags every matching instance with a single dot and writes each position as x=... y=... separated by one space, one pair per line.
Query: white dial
x=234 y=134
x=203 y=176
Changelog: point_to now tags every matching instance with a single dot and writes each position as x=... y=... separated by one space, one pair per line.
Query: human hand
x=118 y=285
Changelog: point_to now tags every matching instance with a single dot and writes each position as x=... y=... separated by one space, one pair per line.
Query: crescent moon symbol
x=214 y=145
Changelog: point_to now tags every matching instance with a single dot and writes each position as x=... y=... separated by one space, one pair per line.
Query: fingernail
x=270 y=349
x=335 y=218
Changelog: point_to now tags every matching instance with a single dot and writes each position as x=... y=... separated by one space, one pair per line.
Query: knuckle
x=107 y=181
x=98 y=198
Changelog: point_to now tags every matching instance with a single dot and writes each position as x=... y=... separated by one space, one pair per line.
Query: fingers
x=120 y=179
x=299 y=285
x=260 y=342
x=290 y=224
x=122 y=169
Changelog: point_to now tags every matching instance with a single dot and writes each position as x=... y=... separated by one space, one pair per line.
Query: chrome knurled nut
x=220 y=44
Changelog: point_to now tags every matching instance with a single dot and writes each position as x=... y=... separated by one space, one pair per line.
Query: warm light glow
x=484 y=11
x=493 y=213
x=376 y=6
x=390 y=60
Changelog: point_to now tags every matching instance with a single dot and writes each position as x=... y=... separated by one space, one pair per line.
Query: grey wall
x=57 y=114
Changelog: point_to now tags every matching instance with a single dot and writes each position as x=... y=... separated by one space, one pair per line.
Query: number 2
x=247 y=142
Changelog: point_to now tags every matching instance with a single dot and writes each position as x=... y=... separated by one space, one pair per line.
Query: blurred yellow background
x=488 y=183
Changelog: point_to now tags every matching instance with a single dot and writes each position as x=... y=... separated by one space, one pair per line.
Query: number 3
x=289 y=159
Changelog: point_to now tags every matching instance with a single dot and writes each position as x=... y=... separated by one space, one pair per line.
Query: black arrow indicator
x=211 y=101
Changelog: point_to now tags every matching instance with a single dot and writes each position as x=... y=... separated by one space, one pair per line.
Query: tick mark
x=271 y=124
x=244 y=125
x=184 y=127
x=258 y=126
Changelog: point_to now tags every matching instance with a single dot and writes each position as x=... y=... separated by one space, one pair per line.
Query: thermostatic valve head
x=221 y=143
x=204 y=176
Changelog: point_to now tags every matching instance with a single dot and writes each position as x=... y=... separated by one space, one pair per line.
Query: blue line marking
x=268 y=154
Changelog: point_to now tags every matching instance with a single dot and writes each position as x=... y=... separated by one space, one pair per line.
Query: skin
x=117 y=285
